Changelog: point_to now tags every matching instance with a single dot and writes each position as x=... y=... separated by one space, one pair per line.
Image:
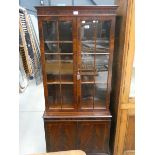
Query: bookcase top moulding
x=76 y=10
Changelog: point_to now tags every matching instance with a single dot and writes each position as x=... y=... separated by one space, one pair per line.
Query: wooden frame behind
x=125 y=110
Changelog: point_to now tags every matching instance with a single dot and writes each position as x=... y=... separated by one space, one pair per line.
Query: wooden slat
x=128 y=106
x=130 y=152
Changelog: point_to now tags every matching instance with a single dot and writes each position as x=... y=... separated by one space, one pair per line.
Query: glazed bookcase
x=77 y=44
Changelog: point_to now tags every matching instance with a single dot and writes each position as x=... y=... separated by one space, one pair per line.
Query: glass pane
x=66 y=48
x=54 y=97
x=65 y=30
x=52 y=67
x=66 y=58
x=103 y=36
x=87 y=94
x=50 y=30
x=101 y=63
x=87 y=63
x=53 y=78
x=67 y=71
x=88 y=47
x=87 y=30
x=100 y=95
x=49 y=57
x=87 y=78
x=101 y=77
x=51 y=48
x=67 y=95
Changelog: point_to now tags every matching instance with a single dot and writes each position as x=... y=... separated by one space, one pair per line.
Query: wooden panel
x=117 y=63
x=125 y=111
x=129 y=153
x=130 y=134
x=93 y=137
x=60 y=136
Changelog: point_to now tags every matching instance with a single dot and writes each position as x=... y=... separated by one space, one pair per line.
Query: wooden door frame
x=41 y=19
x=126 y=105
x=111 y=51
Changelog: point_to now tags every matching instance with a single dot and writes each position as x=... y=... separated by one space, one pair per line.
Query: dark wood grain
x=89 y=136
x=60 y=136
x=93 y=137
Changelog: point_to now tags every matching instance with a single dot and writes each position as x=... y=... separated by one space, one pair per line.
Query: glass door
x=59 y=51
x=93 y=58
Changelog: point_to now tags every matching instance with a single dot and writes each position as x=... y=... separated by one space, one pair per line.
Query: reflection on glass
x=101 y=47
x=87 y=78
x=87 y=30
x=87 y=94
x=103 y=35
x=66 y=48
x=101 y=77
x=50 y=30
x=87 y=62
x=54 y=97
x=88 y=47
x=67 y=58
x=65 y=30
x=67 y=96
x=100 y=95
x=51 y=48
x=101 y=66
x=49 y=57
x=95 y=31
x=101 y=63
x=53 y=78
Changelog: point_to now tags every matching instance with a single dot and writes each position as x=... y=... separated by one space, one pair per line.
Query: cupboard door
x=59 y=52
x=93 y=137
x=94 y=57
x=60 y=136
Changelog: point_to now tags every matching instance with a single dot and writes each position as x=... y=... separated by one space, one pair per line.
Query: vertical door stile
x=78 y=64
x=74 y=32
x=95 y=37
x=41 y=36
x=59 y=61
x=111 y=50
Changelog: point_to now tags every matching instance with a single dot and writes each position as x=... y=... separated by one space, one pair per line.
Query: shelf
x=58 y=82
x=88 y=45
x=58 y=41
x=57 y=67
x=93 y=82
x=59 y=61
x=97 y=53
x=79 y=114
x=89 y=105
x=56 y=106
x=58 y=53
